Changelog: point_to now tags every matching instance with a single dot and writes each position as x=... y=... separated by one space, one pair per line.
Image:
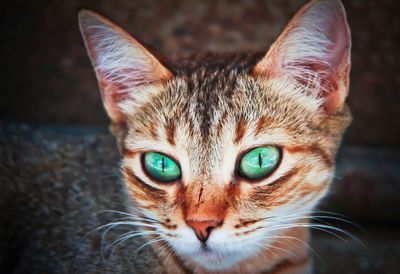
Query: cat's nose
x=203 y=228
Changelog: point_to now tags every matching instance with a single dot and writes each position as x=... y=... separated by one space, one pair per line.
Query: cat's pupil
x=162 y=164
x=259 y=159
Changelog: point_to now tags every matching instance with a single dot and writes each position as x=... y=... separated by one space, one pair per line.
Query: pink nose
x=203 y=228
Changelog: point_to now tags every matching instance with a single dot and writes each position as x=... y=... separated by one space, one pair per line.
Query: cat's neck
x=289 y=254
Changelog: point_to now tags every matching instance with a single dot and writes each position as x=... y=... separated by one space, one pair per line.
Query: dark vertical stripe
x=262 y=123
x=221 y=123
x=153 y=131
x=240 y=130
x=170 y=130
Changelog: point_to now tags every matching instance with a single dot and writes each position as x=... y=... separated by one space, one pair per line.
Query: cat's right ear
x=314 y=52
x=125 y=70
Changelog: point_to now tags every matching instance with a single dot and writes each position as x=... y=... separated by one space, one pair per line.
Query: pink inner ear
x=123 y=66
x=339 y=60
x=120 y=87
x=338 y=53
x=334 y=65
x=112 y=95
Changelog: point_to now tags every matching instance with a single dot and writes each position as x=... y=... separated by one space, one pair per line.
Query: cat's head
x=224 y=152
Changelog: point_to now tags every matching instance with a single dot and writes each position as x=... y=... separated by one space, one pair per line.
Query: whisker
x=277 y=248
x=319 y=217
x=130 y=214
x=167 y=248
x=302 y=242
x=284 y=250
x=267 y=247
x=128 y=223
x=112 y=225
x=155 y=240
x=127 y=236
x=320 y=227
x=292 y=217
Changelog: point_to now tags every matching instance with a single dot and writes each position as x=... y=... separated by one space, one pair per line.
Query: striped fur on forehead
x=205 y=101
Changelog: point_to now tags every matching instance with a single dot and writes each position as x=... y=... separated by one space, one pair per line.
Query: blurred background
x=48 y=78
x=49 y=85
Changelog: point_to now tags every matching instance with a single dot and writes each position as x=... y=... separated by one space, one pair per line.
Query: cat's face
x=207 y=137
x=226 y=154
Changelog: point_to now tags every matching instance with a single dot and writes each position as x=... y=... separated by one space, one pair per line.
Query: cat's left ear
x=125 y=70
x=313 y=51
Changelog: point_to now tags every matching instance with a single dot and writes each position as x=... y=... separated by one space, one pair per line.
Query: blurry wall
x=47 y=76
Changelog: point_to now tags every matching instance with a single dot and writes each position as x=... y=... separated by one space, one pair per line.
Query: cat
x=225 y=156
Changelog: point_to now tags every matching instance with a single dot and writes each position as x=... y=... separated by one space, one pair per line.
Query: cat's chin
x=220 y=253
x=215 y=260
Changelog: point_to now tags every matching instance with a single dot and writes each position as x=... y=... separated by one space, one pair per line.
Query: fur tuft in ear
x=314 y=51
x=124 y=68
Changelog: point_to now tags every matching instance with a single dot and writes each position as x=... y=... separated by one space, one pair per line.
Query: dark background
x=47 y=76
x=49 y=93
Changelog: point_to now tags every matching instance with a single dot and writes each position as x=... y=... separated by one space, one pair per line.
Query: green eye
x=161 y=167
x=259 y=162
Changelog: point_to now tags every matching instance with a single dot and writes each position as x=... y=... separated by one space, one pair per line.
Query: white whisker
x=284 y=237
x=155 y=240
x=127 y=236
